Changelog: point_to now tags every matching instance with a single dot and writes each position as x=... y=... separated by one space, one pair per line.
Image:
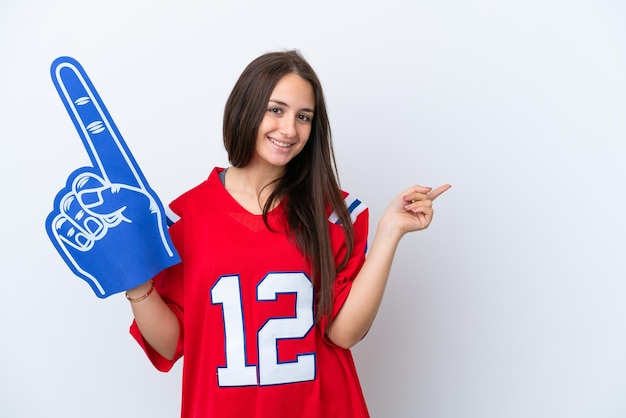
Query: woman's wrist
x=140 y=292
x=388 y=230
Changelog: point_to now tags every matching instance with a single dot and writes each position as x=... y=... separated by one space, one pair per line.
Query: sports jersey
x=244 y=298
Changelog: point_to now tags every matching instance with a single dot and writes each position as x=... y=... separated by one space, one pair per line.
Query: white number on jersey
x=269 y=371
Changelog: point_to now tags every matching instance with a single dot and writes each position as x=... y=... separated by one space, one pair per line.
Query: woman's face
x=286 y=124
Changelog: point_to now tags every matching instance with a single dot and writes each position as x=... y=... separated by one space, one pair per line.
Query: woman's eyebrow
x=280 y=102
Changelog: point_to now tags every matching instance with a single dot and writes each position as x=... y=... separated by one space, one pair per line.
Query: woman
x=274 y=287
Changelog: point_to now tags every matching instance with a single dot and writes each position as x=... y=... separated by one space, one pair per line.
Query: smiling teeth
x=280 y=144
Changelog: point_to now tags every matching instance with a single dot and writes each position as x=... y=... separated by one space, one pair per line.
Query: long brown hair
x=310 y=183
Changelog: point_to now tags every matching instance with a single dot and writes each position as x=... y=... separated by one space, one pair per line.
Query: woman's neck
x=251 y=186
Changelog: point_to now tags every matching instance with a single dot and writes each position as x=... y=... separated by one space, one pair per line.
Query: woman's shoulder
x=355 y=207
x=199 y=197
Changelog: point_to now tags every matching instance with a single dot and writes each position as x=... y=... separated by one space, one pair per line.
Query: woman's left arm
x=410 y=211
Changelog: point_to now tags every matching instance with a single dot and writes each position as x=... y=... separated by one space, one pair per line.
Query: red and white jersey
x=245 y=301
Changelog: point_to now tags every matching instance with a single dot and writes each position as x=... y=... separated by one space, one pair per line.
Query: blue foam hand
x=107 y=224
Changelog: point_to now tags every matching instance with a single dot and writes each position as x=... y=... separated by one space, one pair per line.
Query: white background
x=513 y=303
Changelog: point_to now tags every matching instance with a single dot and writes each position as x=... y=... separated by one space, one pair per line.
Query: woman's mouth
x=279 y=143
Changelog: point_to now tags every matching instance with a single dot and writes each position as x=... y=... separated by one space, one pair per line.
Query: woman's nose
x=288 y=127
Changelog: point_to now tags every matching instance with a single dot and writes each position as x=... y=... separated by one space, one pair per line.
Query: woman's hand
x=412 y=210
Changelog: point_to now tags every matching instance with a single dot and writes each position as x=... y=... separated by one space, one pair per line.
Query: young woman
x=274 y=287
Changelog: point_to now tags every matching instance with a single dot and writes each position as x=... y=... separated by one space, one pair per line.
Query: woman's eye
x=274 y=110
x=305 y=118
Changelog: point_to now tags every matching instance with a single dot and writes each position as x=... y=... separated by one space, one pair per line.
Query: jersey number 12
x=269 y=371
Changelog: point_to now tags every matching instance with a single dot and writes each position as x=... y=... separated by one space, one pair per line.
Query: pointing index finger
x=438 y=191
x=101 y=138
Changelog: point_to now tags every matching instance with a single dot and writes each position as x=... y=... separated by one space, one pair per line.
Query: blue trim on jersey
x=355 y=208
x=354 y=205
x=170 y=217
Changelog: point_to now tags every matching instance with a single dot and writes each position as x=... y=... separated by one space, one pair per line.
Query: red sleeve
x=169 y=285
x=346 y=276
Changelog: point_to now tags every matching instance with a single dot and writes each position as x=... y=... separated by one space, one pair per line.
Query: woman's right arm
x=158 y=324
